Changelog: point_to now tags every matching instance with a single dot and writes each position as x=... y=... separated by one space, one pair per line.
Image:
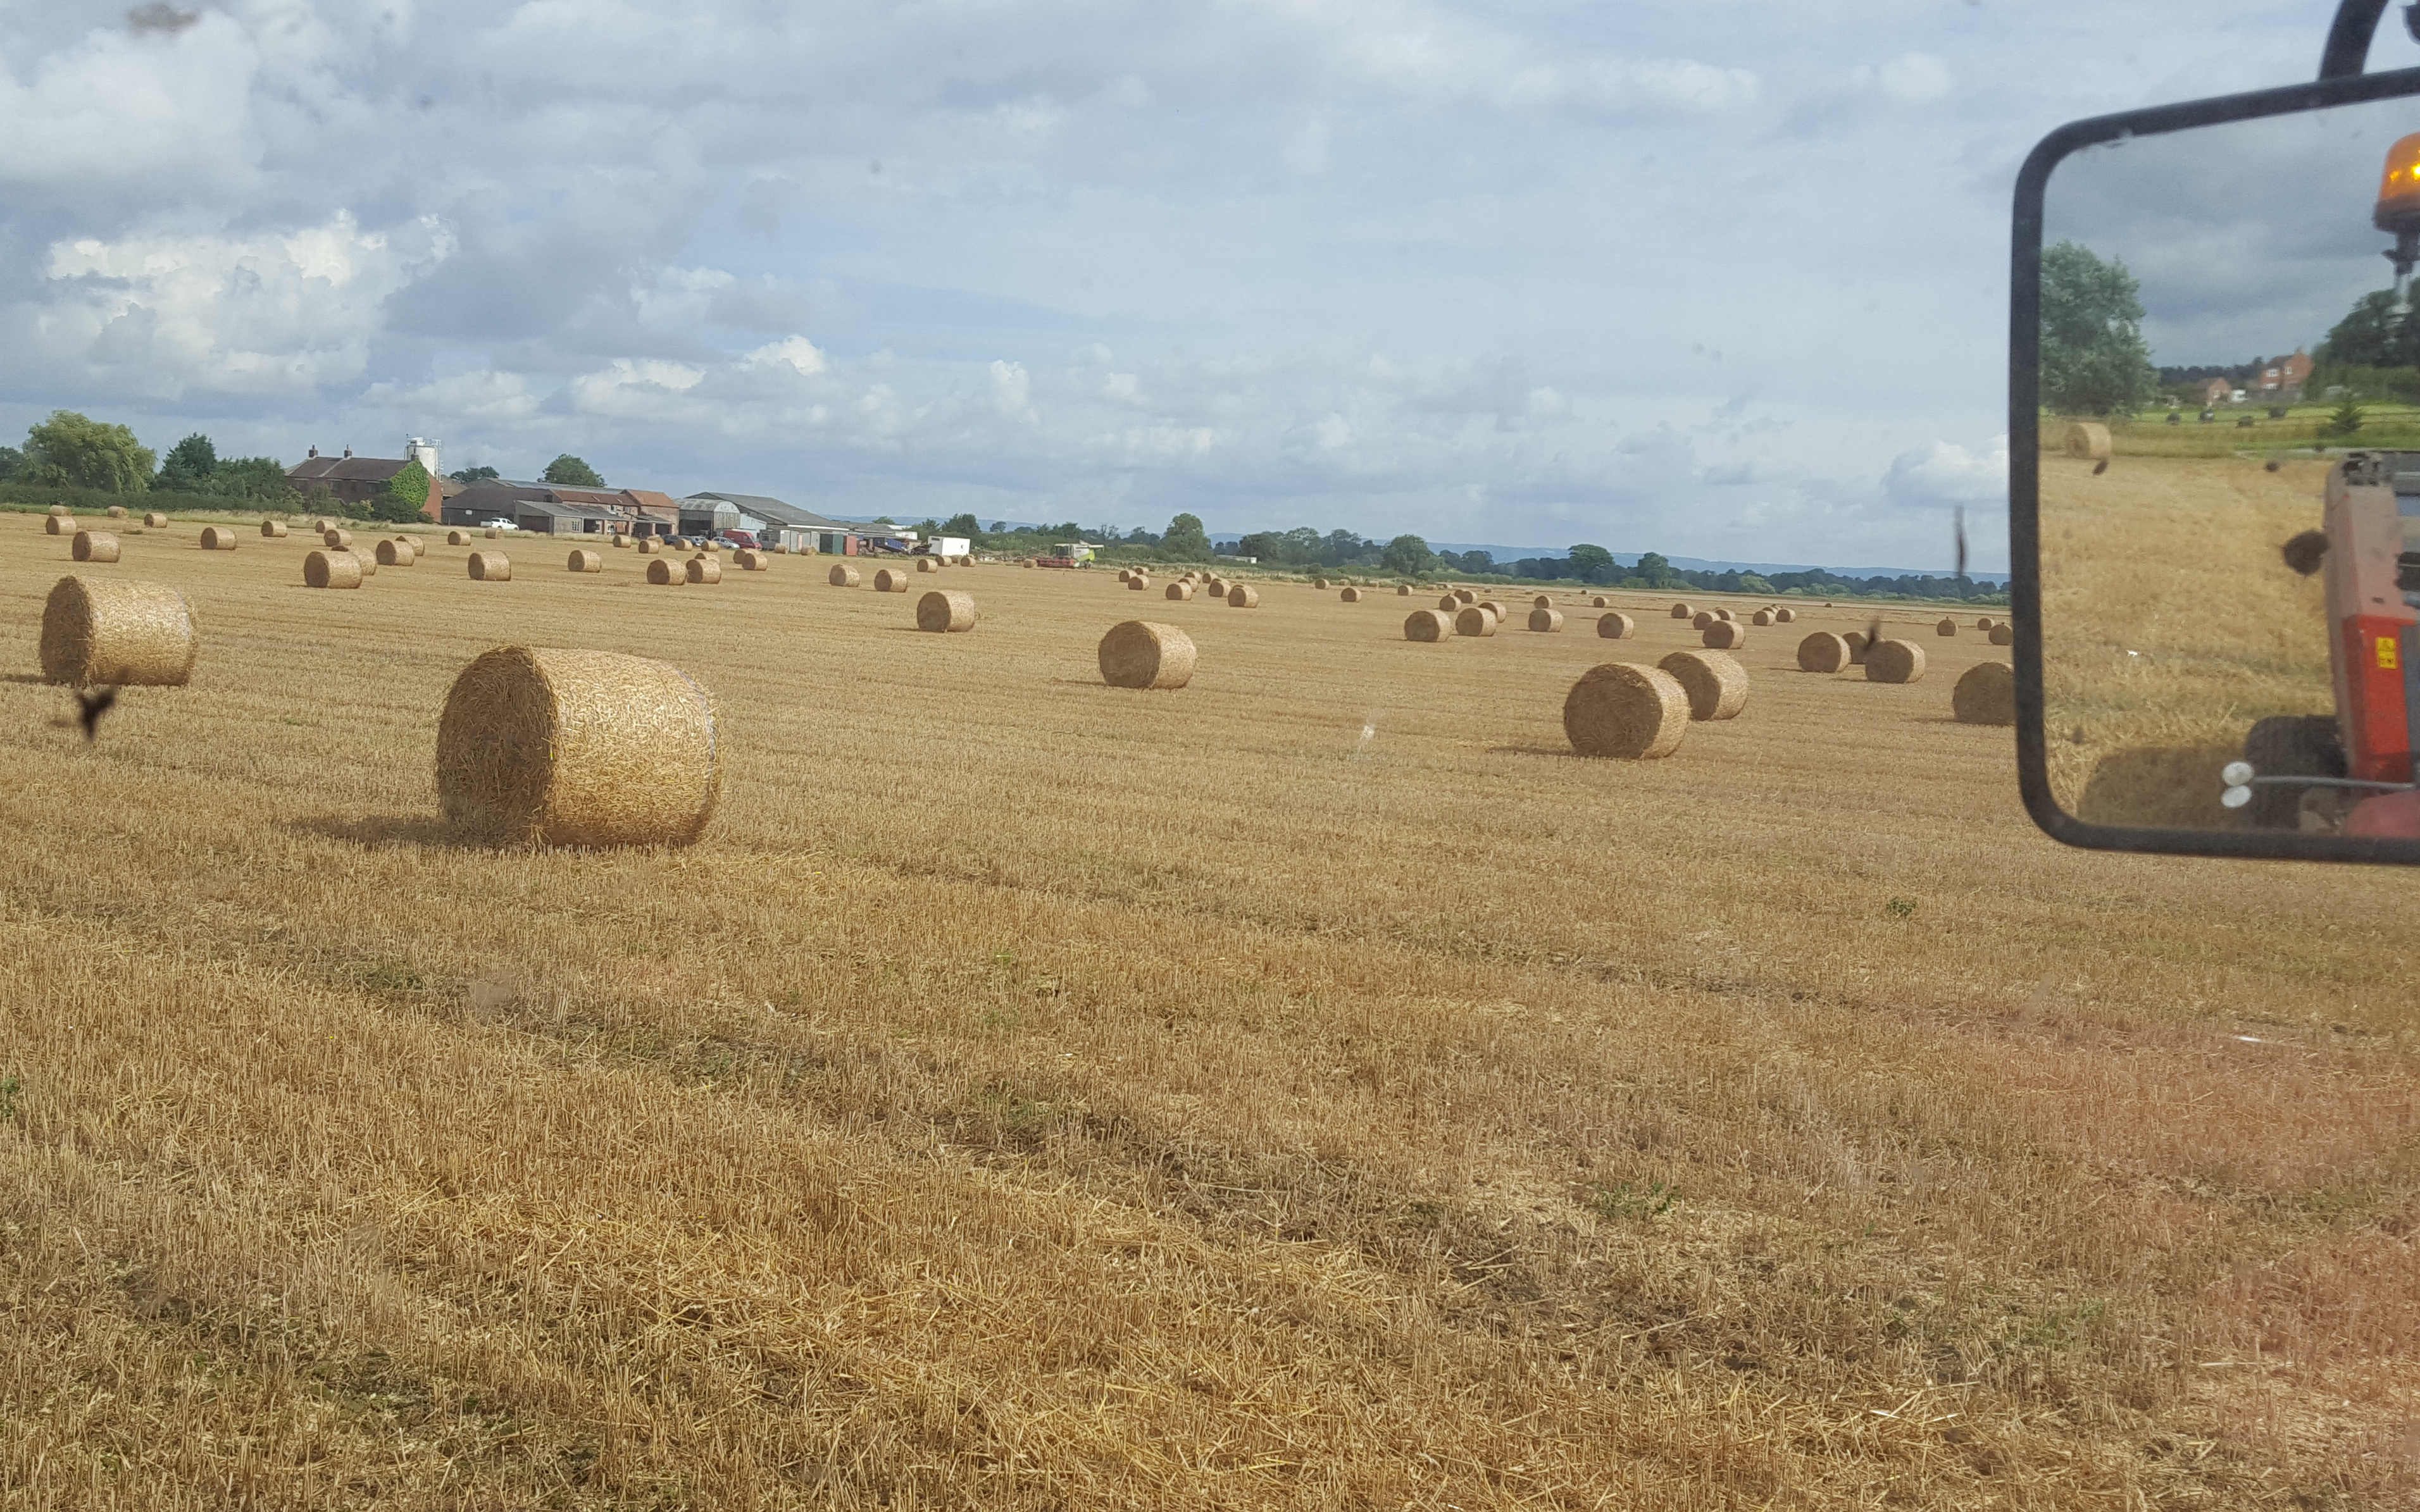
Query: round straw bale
x=116 y=511
x=59 y=525
x=368 y=563
x=59 y=511
x=2004 y=635
x=1140 y=654
x=1783 y=616
x=1546 y=621
x=1722 y=614
x=577 y=747
x=1983 y=624
x=1725 y=634
x=335 y=540
x=272 y=530
x=1180 y=590
x=1348 y=596
x=456 y=537
x=1497 y=609
x=490 y=567
x=1716 y=684
x=1319 y=583
x=1947 y=627
x=1450 y=604
x=949 y=612
x=621 y=542
x=1243 y=596
x=1123 y=574
x=583 y=559
x=419 y=546
x=1625 y=709
x=1894 y=661
x=747 y=561
x=218 y=537
x=1823 y=652
x=114 y=632
x=841 y=577
x=332 y=569
x=1615 y=626
x=2089 y=440
x=93 y=546
x=662 y=571
x=711 y=542
x=322 y=527
x=1855 y=642
x=927 y=565
x=155 y=521
x=1402 y=589
x=1762 y=616
x=1427 y=625
x=493 y=533
x=1986 y=695
x=1682 y=611
x=1703 y=618
x=1137 y=583
x=648 y=546
x=1543 y=601
x=398 y=554
x=704 y=570
x=1597 y=602
x=891 y=580
x=1473 y=621
x=1464 y=595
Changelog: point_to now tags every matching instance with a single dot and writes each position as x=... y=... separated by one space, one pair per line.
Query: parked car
x=743 y=540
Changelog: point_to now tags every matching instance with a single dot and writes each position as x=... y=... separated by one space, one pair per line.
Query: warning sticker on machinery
x=2386 y=658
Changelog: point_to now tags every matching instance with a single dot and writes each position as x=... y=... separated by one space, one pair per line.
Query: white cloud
x=1012 y=391
x=492 y=398
x=636 y=388
x=1911 y=79
x=795 y=353
x=1947 y=472
x=117 y=111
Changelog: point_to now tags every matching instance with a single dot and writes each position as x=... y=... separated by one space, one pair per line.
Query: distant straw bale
x=927 y=565
x=1138 y=584
x=2088 y=440
x=1823 y=652
x=490 y=567
x=55 y=523
x=493 y=533
x=841 y=577
x=1716 y=684
x=1464 y=595
x=332 y=569
x=451 y=538
x=1140 y=654
x=1543 y=601
x=1598 y=602
x=1855 y=641
x=650 y=545
x=1349 y=596
x=621 y=542
x=398 y=554
x=1894 y=661
x=577 y=747
x=1497 y=609
x=1615 y=626
x=583 y=559
x=1624 y=710
x=272 y=530
x=1402 y=589
x=1243 y=596
x=322 y=525
x=58 y=512
x=1427 y=625
x=1783 y=616
x=155 y=521
x=93 y=546
x=1179 y=590
x=747 y=561
x=1319 y=583
x=707 y=570
x=889 y=580
x=1546 y=621
x=118 y=633
x=1450 y=602
x=1473 y=621
x=1947 y=626
x=367 y=563
x=1986 y=695
x=115 y=511
x=1762 y=616
x=419 y=546
x=1984 y=624
x=1722 y=614
x=1703 y=618
x=336 y=540
x=1725 y=634
x=949 y=612
x=2004 y=635
x=1123 y=574
x=663 y=572
x=218 y=537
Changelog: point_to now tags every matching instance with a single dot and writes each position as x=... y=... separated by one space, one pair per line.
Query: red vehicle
x=744 y=540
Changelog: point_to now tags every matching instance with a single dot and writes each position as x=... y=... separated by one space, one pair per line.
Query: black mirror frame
x=2024 y=472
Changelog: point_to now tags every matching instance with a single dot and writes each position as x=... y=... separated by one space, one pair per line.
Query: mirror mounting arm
x=2349 y=36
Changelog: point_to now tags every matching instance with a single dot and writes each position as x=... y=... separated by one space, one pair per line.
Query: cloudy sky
x=1721 y=278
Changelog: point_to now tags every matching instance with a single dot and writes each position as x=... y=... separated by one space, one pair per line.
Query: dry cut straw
x=1716 y=684
x=946 y=612
x=1624 y=710
x=113 y=632
x=1140 y=654
x=578 y=747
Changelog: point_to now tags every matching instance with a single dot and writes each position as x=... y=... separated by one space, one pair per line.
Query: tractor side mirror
x=2215 y=475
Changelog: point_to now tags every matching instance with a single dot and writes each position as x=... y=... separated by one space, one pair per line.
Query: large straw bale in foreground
x=2089 y=440
x=1615 y=626
x=1622 y=709
x=93 y=546
x=1427 y=625
x=118 y=633
x=1894 y=661
x=1473 y=621
x=577 y=747
x=490 y=567
x=946 y=612
x=1725 y=634
x=1986 y=695
x=1823 y=652
x=332 y=569
x=841 y=577
x=1139 y=654
x=1243 y=596
x=218 y=537
x=1546 y=621
x=1716 y=684
x=582 y=559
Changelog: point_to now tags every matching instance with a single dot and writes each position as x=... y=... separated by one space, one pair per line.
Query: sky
x=1709 y=277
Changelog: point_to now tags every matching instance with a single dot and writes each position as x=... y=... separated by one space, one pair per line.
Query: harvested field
x=1709 y=1132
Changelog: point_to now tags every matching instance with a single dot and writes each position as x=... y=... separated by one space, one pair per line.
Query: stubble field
x=1313 y=1087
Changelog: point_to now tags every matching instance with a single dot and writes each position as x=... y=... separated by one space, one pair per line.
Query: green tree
x=187 y=466
x=1407 y=555
x=2371 y=334
x=71 y=450
x=966 y=525
x=1592 y=564
x=572 y=473
x=249 y=477
x=405 y=497
x=1653 y=570
x=479 y=474
x=2347 y=419
x=2094 y=361
x=1265 y=547
x=12 y=462
x=1185 y=540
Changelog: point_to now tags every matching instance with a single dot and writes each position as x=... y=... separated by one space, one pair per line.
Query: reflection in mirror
x=2230 y=428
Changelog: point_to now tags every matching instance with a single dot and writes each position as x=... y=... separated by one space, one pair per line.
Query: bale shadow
x=382 y=831
x=1564 y=751
x=35 y=679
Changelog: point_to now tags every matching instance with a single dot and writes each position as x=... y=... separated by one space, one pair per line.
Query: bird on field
x=2273 y=464
x=2101 y=467
x=96 y=704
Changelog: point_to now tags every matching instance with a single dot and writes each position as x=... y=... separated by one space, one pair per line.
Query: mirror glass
x=2231 y=439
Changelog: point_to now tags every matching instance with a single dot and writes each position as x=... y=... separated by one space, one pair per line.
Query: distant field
x=2148 y=434
x=1313 y=1088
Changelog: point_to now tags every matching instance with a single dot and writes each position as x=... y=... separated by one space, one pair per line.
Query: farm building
x=559 y=509
x=357 y=480
x=774 y=522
